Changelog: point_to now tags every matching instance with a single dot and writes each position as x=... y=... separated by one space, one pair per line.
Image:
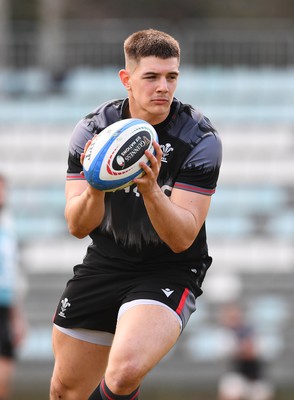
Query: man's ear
x=125 y=78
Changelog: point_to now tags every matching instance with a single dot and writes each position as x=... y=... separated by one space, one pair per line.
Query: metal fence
x=96 y=43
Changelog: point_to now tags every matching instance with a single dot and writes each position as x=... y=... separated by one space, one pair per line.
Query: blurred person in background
x=245 y=379
x=130 y=299
x=12 y=289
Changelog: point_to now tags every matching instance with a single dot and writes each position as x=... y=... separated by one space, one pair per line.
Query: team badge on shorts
x=64 y=305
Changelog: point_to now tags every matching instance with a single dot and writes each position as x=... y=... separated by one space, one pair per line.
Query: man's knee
x=67 y=388
x=59 y=390
x=125 y=377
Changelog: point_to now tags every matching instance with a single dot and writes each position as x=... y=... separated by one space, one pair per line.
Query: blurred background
x=58 y=61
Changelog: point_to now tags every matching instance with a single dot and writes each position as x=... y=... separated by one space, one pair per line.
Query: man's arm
x=84 y=208
x=178 y=219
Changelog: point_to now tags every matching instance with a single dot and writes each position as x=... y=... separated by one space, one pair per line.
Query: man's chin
x=160 y=110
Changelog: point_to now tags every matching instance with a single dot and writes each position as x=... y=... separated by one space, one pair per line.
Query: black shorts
x=6 y=340
x=92 y=300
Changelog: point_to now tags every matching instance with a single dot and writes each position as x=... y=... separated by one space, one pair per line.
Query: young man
x=12 y=321
x=136 y=288
x=246 y=377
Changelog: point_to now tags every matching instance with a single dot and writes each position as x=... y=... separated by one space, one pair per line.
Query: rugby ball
x=112 y=160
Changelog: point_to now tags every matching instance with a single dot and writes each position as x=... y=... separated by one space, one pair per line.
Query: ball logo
x=131 y=151
x=120 y=161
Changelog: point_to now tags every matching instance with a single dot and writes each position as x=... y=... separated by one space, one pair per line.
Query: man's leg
x=144 y=335
x=102 y=392
x=79 y=367
x=6 y=376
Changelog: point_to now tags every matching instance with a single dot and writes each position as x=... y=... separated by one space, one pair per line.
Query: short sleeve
x=81 y=134
x=200 y=170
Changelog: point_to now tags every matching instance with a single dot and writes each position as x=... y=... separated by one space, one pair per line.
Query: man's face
x=151 y=87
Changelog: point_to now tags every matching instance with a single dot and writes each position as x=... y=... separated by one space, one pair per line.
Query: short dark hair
x=151 y=42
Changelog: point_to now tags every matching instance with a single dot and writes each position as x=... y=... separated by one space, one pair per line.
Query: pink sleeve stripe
x=196 y=189
x=72 y=177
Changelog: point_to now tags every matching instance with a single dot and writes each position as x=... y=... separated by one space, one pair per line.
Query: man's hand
x=148 y=182
x=85 y=151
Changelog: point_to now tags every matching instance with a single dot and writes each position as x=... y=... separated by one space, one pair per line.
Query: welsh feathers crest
x=166 y=150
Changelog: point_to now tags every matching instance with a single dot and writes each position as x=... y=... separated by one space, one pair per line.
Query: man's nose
x=162 y=86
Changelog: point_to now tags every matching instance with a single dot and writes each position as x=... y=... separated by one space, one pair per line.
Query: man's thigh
x=145 y=333
x=79 y=365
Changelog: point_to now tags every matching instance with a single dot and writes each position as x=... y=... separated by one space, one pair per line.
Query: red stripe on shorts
x=182 y=302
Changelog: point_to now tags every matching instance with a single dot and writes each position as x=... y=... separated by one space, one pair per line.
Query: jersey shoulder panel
x=199 y=169
x=93 y=123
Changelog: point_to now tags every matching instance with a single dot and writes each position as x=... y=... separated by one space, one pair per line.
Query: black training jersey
x=191 y=161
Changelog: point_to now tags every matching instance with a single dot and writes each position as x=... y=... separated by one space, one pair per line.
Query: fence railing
x=70 y=44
